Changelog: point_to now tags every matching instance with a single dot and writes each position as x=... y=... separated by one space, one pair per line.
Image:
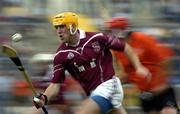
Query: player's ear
x=73 y=29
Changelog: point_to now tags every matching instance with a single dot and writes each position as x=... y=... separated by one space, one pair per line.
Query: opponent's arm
x=132 y=56
x=119 y=45
x=119 y=69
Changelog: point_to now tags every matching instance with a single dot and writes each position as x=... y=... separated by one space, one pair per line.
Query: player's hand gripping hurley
x=12 y=54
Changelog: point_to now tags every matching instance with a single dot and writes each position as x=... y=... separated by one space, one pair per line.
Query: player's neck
x=75 y=40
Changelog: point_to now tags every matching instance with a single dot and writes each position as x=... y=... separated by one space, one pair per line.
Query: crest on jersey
x=70 y=55
x=96 y=46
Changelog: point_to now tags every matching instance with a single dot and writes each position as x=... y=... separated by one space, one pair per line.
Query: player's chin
x=61 y=37
x=62 y=40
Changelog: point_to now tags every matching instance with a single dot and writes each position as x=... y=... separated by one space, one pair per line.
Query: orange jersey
x=150 y=53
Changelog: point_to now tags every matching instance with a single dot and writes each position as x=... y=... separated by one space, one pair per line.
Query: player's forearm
x=132 y=56
x=52 y=90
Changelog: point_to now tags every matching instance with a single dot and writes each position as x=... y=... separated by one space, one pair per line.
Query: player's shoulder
x=61 y=47
x=63 y=53
x=96 y=36
x=142 y=36
x=139 y=34
x=93 y=34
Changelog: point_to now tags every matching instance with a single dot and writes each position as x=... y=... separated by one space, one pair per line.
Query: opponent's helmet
x=69 y=19
x=117 y=22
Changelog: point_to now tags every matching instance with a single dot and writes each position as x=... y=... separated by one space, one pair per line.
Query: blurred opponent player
x=157 y=95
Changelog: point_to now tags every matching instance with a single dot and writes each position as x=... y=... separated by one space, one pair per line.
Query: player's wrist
x=40 y=100
x=44 y=98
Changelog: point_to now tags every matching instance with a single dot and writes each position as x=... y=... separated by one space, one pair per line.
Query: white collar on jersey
x=82 y=34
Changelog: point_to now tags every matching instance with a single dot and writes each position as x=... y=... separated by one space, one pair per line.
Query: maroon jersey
x=90 y=62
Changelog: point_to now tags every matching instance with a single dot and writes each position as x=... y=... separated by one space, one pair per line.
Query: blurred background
x=32 y=18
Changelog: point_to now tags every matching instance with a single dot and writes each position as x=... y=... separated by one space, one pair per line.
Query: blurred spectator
x=157 y=96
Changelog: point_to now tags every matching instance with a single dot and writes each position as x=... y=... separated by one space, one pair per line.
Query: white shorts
x=111 y=90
